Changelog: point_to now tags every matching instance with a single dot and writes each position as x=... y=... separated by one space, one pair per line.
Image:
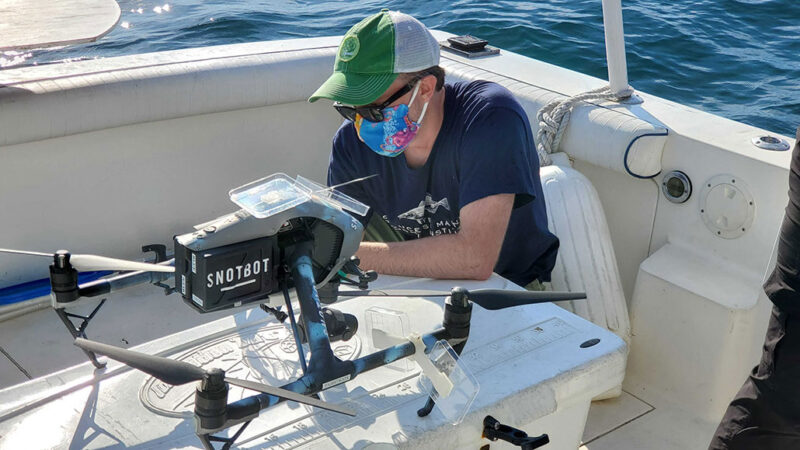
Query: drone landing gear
x=65 y=290
x=64 y=284
x=80 y=331
x=295 y=330
x=207 y=439
x=340 y=326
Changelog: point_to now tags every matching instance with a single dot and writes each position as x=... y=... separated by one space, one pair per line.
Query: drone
x=288 y=234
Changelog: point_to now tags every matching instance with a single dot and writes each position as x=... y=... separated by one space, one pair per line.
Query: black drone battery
x=228 y=276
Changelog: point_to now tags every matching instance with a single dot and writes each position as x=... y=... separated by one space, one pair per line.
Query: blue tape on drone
x=39 y=288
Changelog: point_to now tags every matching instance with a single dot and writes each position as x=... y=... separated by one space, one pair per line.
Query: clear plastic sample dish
x=271 y=195
x=332 y=196
x=392 y=323
x=455 y=406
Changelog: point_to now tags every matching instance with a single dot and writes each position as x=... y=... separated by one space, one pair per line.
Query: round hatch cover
x=726 y=206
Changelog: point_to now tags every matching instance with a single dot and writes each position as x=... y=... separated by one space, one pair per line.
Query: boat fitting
x=769 y=142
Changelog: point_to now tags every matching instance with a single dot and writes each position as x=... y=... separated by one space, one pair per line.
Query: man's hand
x=469 y=254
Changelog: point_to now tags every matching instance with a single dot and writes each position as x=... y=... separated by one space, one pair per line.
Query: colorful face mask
x=391 y=136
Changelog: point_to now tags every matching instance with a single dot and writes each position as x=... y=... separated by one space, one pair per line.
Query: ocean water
x=736 y=58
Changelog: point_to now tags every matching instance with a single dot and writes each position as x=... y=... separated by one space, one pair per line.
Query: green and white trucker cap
x=373 y=53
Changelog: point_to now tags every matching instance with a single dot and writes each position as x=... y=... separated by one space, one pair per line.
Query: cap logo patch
x=349 y=48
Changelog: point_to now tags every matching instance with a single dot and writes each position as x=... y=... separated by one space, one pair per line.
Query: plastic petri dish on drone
x=458 y=402
x=277 y=192
x=270 y=195
x=333 y=197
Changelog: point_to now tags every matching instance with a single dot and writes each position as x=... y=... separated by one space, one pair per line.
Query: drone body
x=237 y=259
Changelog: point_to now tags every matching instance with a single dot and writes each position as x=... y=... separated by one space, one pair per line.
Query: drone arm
x=244 y=410
x=397 y=352
x=247 y=408
x=303 y=277
x=105 y=286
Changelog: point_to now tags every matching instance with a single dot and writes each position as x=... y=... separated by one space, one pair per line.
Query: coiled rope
x=554 y=117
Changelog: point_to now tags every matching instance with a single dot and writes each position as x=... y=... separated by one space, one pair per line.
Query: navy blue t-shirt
x=485 y=147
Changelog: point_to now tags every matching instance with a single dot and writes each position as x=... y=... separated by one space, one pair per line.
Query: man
x=457 y=172
x=765 y=414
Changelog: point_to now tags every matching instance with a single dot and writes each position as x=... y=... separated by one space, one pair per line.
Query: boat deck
x=630 y=422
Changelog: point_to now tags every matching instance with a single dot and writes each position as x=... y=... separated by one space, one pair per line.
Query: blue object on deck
x=39 y=288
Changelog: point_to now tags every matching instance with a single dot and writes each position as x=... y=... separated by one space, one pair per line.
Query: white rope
x=554 y=117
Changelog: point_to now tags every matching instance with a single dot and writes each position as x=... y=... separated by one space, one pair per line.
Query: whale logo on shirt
x=425 y=205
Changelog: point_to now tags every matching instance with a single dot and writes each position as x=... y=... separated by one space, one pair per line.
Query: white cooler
x=533 y=374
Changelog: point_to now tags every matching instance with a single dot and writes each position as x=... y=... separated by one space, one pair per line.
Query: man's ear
x=427 y=88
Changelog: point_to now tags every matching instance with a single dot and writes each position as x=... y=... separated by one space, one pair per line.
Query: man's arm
x=469 y=254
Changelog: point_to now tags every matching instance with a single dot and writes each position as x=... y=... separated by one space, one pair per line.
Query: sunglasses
x=372 y=113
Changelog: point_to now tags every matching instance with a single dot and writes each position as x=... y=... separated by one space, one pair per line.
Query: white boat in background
x=667 y=217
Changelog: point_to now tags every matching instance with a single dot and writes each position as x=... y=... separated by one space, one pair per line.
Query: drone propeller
x=175 y=372
x=85 y=263
x=491 y=299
